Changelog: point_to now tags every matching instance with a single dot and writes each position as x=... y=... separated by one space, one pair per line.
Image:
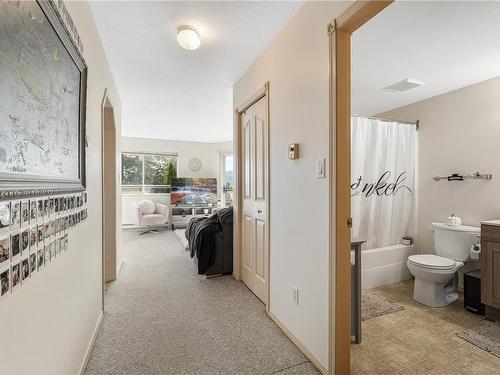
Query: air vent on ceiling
x=404 y=85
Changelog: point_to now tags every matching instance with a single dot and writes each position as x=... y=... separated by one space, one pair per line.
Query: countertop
x=491 y=222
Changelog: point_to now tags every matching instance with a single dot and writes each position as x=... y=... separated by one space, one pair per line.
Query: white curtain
x=383 y=157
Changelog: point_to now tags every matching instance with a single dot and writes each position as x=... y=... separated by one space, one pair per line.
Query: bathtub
x=385 y=265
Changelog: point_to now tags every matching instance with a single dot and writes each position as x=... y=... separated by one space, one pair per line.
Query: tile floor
x=420 y=340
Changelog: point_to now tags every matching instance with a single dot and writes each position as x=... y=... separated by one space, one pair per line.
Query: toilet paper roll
x=475 y=250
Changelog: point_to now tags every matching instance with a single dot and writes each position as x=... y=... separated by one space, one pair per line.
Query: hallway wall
x=296 y=66
x=47 y=324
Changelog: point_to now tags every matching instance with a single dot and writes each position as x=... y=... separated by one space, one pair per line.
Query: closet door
x=254 y=133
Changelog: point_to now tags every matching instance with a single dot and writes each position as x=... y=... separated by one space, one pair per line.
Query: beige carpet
x=486 y=337
x=181 y=235
x=373 y=305
x=162 y=318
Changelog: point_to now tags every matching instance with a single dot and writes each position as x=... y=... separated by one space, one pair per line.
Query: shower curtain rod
x=416 y=123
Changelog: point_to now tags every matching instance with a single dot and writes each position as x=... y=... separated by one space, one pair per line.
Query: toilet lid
x=432 y=261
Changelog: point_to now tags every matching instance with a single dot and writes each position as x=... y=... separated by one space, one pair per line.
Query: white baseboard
x=315 y=361
x=91 y=344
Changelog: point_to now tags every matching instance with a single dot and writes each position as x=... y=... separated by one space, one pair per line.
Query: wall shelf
x=462 y=177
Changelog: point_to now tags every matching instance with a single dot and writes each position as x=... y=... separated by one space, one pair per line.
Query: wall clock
x=194 y=164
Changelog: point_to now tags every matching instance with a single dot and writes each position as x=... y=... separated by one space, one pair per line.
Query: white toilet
x=436 y=276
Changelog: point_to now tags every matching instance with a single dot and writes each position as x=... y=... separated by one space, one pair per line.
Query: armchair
x=149 y=214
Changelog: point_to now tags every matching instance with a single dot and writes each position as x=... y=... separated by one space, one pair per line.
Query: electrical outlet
x=295 y=295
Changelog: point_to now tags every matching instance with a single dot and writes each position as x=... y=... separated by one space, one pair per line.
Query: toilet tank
x=454 y=242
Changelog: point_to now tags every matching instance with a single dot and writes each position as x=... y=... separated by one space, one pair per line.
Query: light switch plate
x=320 y=168
x=293 y=151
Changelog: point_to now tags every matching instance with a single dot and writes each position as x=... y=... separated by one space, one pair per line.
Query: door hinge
x=349 y=222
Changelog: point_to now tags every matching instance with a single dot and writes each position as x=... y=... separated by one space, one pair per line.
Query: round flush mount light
x=188 y=38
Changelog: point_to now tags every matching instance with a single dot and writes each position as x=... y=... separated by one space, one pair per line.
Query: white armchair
x=150 y=214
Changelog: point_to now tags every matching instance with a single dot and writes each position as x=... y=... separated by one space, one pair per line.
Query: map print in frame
x=42 y=100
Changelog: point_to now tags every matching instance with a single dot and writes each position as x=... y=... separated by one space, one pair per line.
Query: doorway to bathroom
x=414 y=185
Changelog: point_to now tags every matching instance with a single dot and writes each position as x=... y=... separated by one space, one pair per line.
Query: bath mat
x=486 y=337
x=180 y=233
x=373 y=305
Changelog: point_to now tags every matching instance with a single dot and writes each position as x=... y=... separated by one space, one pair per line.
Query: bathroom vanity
x=490 y=268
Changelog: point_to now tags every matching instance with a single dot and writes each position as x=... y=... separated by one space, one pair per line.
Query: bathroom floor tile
x=420 y=340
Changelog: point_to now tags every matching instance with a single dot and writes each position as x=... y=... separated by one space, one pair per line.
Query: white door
x=255 y=250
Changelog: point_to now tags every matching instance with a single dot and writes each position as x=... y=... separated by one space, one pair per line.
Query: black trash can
x=472 y=292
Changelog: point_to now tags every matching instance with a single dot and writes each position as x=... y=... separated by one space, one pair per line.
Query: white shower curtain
x=383 y=160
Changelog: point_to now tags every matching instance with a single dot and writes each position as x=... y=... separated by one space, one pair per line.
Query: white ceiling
x=448 y=45
x=168 y=92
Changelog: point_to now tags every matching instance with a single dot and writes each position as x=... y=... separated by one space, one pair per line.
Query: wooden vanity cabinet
x=490 y=270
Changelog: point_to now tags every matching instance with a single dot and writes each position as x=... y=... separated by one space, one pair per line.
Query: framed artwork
x=42 y=103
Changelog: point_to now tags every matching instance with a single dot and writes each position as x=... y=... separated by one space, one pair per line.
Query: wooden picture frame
x=62 y=50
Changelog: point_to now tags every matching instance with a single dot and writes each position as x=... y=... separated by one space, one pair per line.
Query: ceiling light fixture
x=188 y=38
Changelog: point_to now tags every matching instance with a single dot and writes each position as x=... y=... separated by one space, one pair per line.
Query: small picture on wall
x=33 y=212
x=56 y=205
x=62 y=207
x=84 y=197
x=51 y=206
x=4 y=281
x=15 y=214
x=25 y=269
x=46 y=233
x=4 y=249
x=65 y=243
x=41 y=258
x=15 y=245
x=32 y=263
x=51 y=254
x=40 y=233
x=46 y=254
x=58 y=246
x=25 y=241
x=25 y=212
x=15 y=275
x=40 y=209
x=4 y=217
x=46 y=208
x=33 y=237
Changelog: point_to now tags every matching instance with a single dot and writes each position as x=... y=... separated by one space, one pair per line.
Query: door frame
x=263 y=92
x=339 y=32
x=108 y=274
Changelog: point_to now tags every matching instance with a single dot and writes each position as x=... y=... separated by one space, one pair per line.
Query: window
x=227 y=173
x=148 y=173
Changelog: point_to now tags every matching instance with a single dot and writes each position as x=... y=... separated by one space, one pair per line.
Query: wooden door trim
x=263 y=92
x=103 y=218
x=107 y=105
x=339 y=31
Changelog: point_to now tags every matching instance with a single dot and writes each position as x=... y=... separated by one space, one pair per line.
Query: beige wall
x=296 y=65
x=208 y=153
x=459 y=132
x=47 y=324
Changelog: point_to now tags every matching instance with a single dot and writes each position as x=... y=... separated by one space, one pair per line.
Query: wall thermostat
x=293 y=151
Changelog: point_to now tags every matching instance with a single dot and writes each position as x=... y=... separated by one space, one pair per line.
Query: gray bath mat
x=486 y=337
x=373 y=305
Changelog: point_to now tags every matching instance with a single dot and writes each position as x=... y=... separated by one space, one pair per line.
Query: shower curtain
x=383 y=168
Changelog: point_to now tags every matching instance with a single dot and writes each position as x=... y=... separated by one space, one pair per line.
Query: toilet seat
x=432 y=262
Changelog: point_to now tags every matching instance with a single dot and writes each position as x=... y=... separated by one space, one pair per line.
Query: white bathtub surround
x=385 y=265
x=383 y=168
